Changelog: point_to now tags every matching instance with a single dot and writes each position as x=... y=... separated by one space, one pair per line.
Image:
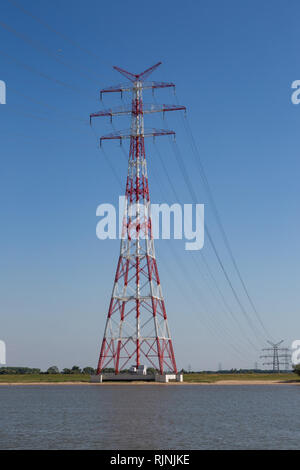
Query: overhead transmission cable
x=182 y=268
x=192 y=192
x=55 y=31
x=207 y=232
x=41 y=48
x=202 y=173
x=228 y=309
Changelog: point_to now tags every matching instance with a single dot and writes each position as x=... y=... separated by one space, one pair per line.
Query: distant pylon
x=276 y=354
x=137 y=329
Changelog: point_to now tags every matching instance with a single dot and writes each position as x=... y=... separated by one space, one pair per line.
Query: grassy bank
x=211 y=378
x=190 y=378
x=27 y=378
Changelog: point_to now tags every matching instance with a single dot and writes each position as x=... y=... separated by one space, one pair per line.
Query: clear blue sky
x=233 y=63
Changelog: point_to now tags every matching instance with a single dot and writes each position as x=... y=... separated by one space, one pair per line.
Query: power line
x=55 y=31
x=202 y=173
x=192 y=192
x=201 y=253
x=192 y=281
x=50 y=108
x=41 y=74
x=108 y=160
x=38 y=46
x=207 y=232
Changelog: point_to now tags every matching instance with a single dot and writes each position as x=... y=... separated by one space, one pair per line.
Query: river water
x=150 y=417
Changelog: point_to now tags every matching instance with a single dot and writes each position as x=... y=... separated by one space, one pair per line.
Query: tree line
x=55 y=370
x=90 y=371
x=50 y=370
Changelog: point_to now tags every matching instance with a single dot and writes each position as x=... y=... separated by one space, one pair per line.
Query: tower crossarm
x=137 y=76
x=127 y=134
x=147 y=109
x=124 y=87
x=275 y=345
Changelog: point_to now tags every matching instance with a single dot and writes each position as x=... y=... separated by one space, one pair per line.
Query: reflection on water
x=150 y=417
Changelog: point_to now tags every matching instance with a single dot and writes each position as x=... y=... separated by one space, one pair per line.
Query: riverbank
x=201 y=384
x=188 y=379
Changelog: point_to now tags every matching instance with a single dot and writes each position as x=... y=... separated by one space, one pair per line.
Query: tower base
x=164 y=378
x=122 y=378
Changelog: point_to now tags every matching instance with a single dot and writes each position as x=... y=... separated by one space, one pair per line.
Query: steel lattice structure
x=137 y=328
x=279 y=356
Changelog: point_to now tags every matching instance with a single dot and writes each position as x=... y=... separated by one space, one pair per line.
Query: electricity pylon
x=276 y=354
x=137 y=328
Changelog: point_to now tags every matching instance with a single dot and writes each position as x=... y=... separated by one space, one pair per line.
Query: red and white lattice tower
x=137 y=331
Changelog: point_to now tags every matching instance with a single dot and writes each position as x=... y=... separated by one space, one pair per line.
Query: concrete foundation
x=164 y=378
x=96 y=378
x=122 y=378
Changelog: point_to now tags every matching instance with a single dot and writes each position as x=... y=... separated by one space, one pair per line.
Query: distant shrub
x=53 y=370
x=297 y=369
x=18 y=370
x=88 y=370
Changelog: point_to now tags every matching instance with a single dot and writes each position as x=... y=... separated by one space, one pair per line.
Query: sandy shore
x=220 y=382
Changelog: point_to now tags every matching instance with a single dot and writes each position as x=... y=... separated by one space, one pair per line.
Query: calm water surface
x=150 y=417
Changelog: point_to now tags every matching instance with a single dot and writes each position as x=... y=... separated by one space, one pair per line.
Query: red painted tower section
x=137 y=331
